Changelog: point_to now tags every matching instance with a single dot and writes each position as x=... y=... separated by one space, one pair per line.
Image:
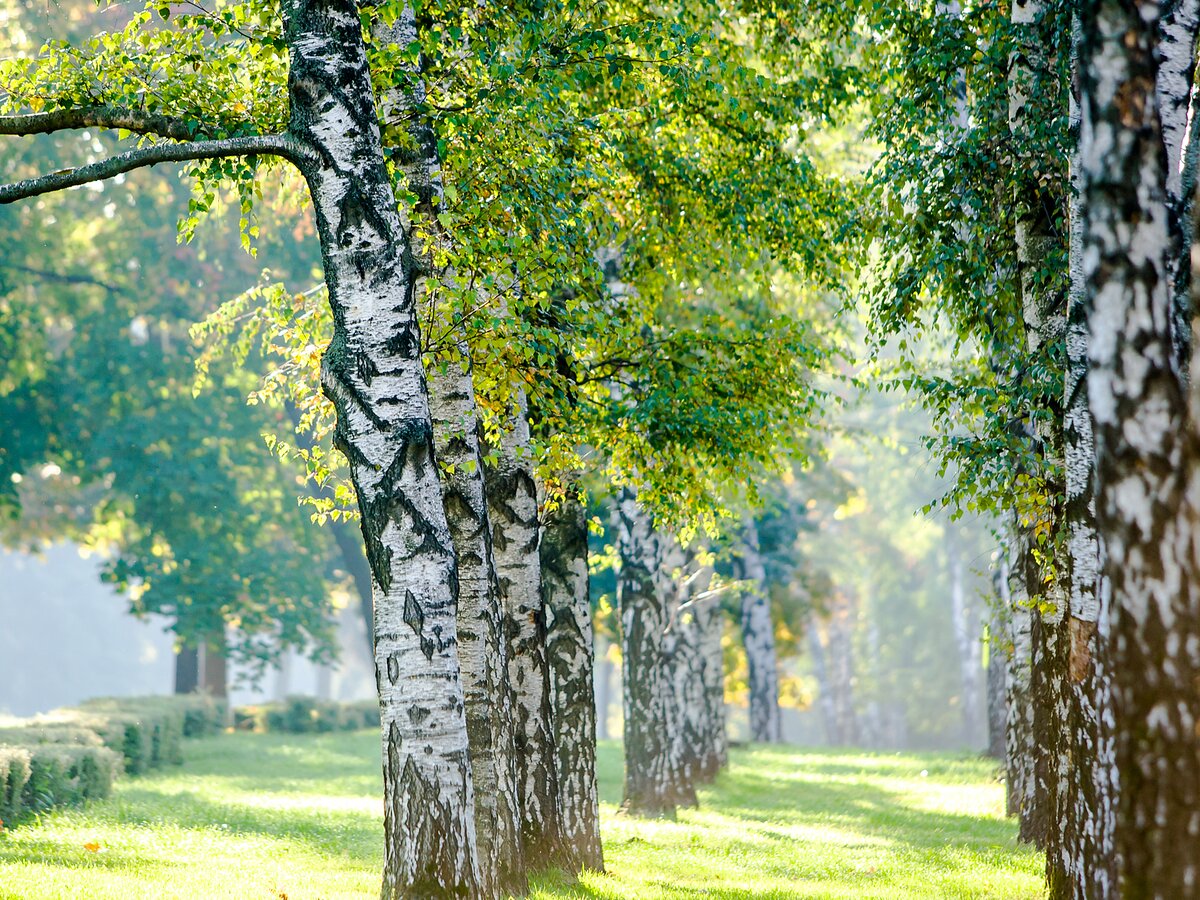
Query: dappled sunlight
x=254 y=814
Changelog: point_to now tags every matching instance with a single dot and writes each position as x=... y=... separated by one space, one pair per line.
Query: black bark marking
x=393 y=669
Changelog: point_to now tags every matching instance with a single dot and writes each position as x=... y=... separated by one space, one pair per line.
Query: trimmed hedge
x=306 y=715
x=71 y=755
x=37 y=777
x=202 y=714
x=14 y=775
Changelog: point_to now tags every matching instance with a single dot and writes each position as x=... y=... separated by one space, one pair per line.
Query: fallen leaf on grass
x=92 y=846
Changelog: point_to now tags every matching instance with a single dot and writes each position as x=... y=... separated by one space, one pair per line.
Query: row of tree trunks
x=1038 y=234
x=373 y=374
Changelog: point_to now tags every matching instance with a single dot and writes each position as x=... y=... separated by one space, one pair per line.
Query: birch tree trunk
x=458 y=446
x=683 y=651
x=1148 y=487
x=967 y=638
x=1176 y=96
x=698 y=672
x=758 y=636
x=1037 y=199
x=372 y=373
x=513 y=508
x=1088 y=864
x=709 y=621
x=654 y=781
x=570 y=647
x=1019 y=730
x=481 y=649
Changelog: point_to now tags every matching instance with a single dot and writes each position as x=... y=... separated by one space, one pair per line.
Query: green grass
x=267 y=816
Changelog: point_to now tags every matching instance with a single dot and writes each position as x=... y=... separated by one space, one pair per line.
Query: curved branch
x=98 y=117
x=271 y=144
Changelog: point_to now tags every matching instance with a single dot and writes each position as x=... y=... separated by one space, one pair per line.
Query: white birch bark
x=570 y=649
x=1088 y=863
x=1176 y=95
x=372 y=373
x=758 y=636
x=457 y=445
x=1148 y=484
x=513 y=508
x=1019 y=732
x=708 y=620
x=1044 y=311
x=654 y=781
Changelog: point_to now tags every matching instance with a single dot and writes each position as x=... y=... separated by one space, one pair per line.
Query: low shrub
x=14 y=775
x=68 y=774
x=38 y=777
x=46 y=733
x=164 y=721
x=71 y=755
x=306 y=715
x=202 y=714
x=129 y=734
x=364 y=713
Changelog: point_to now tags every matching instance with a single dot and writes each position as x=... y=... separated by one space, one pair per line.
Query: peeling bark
x=570 y=648
x=758 y=636
x=1148 y=484
x=372 y=372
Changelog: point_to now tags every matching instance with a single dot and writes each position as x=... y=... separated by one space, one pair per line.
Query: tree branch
x=272 y=144
x=62 y=277
x=98 y=117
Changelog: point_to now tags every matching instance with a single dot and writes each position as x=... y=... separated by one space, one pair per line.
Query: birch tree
x=758 y=636
x=1145 y=451
x=571 y=650
x=372 y=373
x=655 y=779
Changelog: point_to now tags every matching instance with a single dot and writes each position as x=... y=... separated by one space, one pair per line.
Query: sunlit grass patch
x=254 y=816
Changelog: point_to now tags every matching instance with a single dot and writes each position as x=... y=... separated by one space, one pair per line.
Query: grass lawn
x=266 y=816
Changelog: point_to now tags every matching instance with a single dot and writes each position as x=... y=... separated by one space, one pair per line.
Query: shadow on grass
x=751 y=823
